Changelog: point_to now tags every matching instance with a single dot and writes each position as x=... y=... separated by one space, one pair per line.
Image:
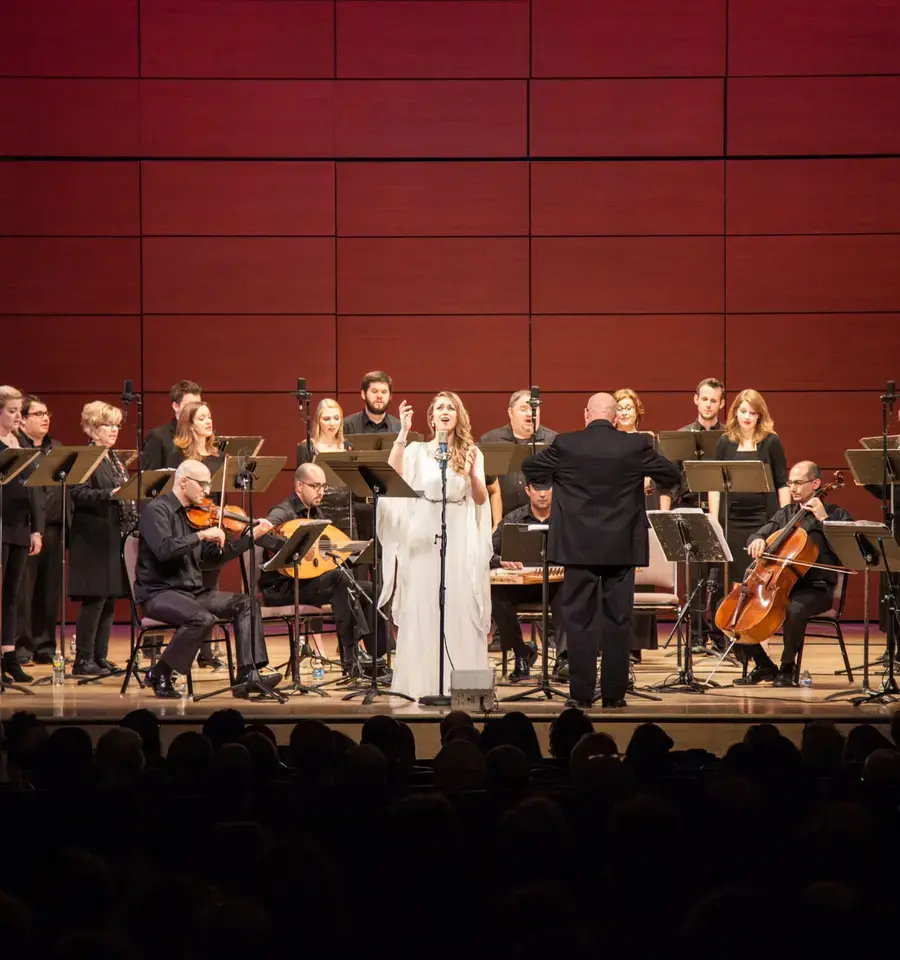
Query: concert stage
x=713 y=720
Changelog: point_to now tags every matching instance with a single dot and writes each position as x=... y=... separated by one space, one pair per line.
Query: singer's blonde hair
x=462 y=440
x=316 y=430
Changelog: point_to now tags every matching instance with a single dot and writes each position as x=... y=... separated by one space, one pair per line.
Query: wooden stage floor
x=713 y=719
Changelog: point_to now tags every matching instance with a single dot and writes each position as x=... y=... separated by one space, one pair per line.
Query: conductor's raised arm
x=541 y=467
x=658 y=468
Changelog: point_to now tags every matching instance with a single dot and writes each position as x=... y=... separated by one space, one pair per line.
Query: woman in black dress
x=23 y=527
x=327 y=436
x=96 y=572
x=749 y=435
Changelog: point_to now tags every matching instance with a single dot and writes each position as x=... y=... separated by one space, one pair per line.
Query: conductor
x=598 y=532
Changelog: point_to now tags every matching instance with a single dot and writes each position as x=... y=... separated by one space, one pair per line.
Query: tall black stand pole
x=441 y=699
x=7 y=686
x=534 y=401
x=373 y=690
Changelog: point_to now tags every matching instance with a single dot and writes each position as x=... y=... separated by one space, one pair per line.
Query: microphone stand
x=441 y=699
x=303 y=396
x=534 y=402
x=892 y=602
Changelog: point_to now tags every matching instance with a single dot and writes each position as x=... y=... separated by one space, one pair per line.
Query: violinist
x=334 y=587
x=169 y=584
x=812 y=594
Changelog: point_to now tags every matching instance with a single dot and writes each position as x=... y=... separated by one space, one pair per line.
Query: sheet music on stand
x=876 y=443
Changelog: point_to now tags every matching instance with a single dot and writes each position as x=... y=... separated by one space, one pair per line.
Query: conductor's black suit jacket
x=599 y=516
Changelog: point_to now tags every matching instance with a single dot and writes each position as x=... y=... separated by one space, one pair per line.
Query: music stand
x=64 y=467
x=687 y=536
x=248 y=475
x=531 y=540
x=502 y=457
x=682 y=445
x=239 y=446
x=128 y=456
x=368 y=473
x=852 y=543
x=376 y=441
x=12 y=462
x=292 y=552
x=877 y=443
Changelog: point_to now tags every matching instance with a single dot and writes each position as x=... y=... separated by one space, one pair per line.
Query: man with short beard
x=376 y=391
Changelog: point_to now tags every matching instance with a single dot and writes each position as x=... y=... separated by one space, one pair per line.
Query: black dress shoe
x=524 y=664
x=612 y=703
x=161 y=685
x=44 y=659
x=757 y=675
x=210 y=663
x=12 y=671
x=579 y=704
x=106 y=665
x=87 y=668
x=245 y=683
x=785 y=678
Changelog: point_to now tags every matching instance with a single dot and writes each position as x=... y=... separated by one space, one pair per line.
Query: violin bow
x=804 y=563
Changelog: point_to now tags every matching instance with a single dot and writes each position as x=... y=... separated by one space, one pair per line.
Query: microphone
x=127 y=397
x=535 y=400
x=301 y=393
x=890 y=395
x=443 y=451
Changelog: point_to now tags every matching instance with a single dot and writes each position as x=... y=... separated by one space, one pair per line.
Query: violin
x=206 y=514
x=331 y=550
x=756 y=607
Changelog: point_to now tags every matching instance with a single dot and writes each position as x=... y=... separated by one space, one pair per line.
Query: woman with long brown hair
x=23 y=527
x=411 y=551
x=326 y=435
x=749 y=435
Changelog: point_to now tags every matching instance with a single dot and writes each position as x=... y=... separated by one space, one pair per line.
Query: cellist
x=812 y=594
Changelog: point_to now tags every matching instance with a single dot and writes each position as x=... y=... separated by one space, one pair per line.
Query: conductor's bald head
x=601 y=406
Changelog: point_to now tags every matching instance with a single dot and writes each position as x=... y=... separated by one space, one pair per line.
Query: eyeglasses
x=41 y=414
x=315 y=486
x=111 y=426
x=203 y=484
x=798 y=483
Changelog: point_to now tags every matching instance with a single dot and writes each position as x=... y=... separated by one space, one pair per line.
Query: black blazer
x=24 y=508
x=599 y=516
x=95 y=541
x=159 y=445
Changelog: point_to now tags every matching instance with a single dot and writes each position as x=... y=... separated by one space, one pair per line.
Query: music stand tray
x=154 y=483
x=877 y=443
x=291 y=553
x=867 y=466
x=239 y=446
x=687 y=536
x=688 y=444
x=864 y=545
x=502 y=457
x=729 y=476
x=377 y=441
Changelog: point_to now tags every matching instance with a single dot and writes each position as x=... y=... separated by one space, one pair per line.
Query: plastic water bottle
x=72 y=646
x=806 y=679
x=318 y=673
x=59 y=669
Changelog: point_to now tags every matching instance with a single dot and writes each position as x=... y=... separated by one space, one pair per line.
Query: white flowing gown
x=408 y=531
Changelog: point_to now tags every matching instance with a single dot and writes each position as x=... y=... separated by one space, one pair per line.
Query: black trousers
x=15 y=559
x=597 y=608
x=504 y=599
x=195 y=615
x=351 y=619
x=38 y=617
x=806 y=600
x=92 y=627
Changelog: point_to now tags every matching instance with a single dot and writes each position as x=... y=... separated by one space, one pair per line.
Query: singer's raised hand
x=406 y=415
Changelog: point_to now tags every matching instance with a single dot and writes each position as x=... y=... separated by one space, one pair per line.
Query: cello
x=756 y=607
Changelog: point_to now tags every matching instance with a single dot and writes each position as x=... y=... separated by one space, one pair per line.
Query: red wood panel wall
x=475 y=194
